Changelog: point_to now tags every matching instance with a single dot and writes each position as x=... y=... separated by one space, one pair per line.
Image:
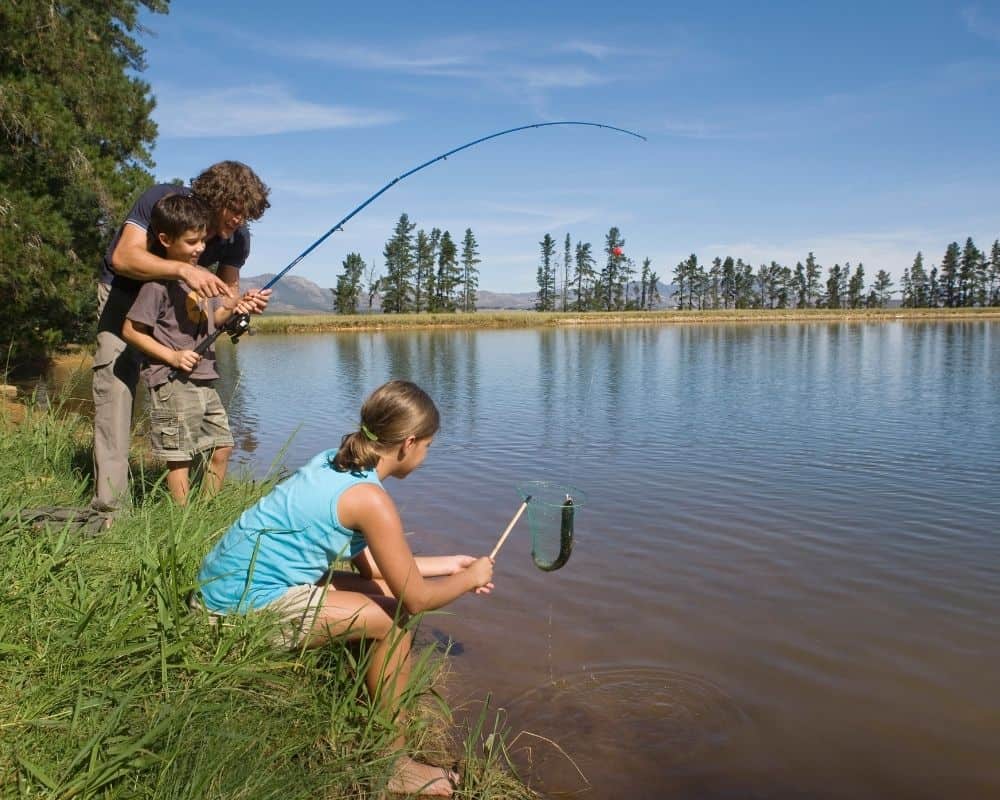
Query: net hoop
x=552 y=509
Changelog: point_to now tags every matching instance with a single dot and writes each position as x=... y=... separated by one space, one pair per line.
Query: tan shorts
x=295 y=610
x=186 y=418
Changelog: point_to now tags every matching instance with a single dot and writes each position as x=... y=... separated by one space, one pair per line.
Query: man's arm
x=132 y=260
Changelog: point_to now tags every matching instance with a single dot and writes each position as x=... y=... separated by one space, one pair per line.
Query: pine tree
x=470 y=270
x=610 y=287
x=833 y=282
x=397 y=289
x=448 y=278
x=948 y=275
x=813 y=273
x=920 y=295
x=583 y=276
x=546 y=275
x=801 y=288
x=968 y=272
x=349 y=285
x=423 y=258
x=856 y=288
x=430 y=292
x=882 y=288
x=993 y=276
x=75 y=135
x=652 y=290
x=727 y=285
x=567 y=263
x=715 y=283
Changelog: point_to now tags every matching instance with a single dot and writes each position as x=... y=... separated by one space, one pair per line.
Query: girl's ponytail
x=391 y=414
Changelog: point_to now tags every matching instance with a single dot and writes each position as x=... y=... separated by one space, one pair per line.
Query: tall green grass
x=110 y=687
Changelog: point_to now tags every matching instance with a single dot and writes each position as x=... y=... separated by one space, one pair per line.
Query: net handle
x=510 y=527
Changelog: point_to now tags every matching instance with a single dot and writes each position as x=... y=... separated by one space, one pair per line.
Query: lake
x=786 y=574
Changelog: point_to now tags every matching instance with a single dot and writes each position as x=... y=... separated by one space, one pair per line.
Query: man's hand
x=205 y=282
x=185 y=360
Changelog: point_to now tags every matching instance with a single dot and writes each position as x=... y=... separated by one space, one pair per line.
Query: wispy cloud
x=592 y=49
x=254 y=111
x=980 y=25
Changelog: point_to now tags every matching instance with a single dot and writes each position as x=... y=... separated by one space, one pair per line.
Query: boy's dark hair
x=174 y=214
x=232 y=185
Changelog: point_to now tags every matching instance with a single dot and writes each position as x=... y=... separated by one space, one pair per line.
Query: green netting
x=552 y=511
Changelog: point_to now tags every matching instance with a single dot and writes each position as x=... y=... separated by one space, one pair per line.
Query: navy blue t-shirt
x=232 y=252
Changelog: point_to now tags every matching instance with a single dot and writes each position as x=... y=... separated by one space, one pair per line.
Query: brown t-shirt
x=178 y=321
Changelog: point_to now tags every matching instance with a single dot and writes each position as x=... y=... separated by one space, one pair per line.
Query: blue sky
x=863 y=131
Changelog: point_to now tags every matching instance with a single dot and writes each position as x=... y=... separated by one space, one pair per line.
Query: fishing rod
x=238 y=324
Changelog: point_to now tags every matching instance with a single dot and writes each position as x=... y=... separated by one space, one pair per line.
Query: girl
x=276 y=556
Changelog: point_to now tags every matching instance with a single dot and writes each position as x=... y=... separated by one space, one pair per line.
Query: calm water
x=786 y=579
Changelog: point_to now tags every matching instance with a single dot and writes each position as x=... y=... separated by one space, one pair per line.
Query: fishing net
x=552 y=509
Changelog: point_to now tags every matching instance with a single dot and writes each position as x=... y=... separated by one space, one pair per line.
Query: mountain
x=292 y=294
x=295 y=295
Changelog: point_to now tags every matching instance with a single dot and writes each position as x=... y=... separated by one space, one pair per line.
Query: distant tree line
x=423 y=273
x=576 y=284
x=966 y=277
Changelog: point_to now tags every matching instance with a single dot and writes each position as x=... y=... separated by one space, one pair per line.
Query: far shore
x=322 y=323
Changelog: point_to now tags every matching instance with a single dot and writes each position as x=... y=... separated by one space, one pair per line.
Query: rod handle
x=510 y=527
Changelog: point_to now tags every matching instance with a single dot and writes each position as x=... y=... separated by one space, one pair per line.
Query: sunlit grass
x=110 y=687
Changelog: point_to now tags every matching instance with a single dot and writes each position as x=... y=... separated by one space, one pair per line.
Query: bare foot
x=413 y=777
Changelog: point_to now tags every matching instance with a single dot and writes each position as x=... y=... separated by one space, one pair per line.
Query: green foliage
x=545 y=275
x=76 y=130
x=349 y=285
x=470 y=270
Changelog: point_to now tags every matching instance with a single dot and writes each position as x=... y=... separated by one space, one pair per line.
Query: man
x=235 y=196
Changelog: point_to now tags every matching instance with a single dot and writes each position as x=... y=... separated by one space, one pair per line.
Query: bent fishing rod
x=238 y=324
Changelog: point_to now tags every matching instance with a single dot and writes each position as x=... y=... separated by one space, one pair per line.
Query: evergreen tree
x=349 y=285
x=801 y=287
x=652 y=290
x=906 y=289
x=813 y=273
x=546 y=275
x=423 y=260
x=715 y=283
x=727 y=285
x=933 y=289
x=448 y=278
x=833 y=283
x=584 y=275
x=610 y=287
x=470 y=270
x=993 y=276
x=968 y=272
x=920 y=295
x=75 y=133
x=745 y=295
x=948 y=275
x=430 y=291
x=397 y=288
x=567 y=263
x=882 y=288
x=681 y=288
x=856 y=288
x=373 y=285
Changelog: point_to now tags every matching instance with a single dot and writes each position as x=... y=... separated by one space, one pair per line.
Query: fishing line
x=238 y=324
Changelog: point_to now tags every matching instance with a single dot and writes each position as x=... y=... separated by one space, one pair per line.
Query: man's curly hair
x=232 y=185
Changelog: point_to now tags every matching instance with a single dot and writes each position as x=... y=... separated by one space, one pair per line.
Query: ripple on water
x=569 y=729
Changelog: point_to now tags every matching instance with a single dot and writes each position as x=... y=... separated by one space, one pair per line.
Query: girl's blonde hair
x=391 y=414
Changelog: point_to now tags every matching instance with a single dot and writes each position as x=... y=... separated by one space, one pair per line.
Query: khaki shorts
x=295 y=610
x=186 y=418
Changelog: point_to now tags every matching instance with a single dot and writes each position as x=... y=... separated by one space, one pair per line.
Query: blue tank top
x=290 y=535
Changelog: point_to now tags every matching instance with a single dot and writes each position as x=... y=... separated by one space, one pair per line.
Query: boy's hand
x=205 y=282
x=185 y=360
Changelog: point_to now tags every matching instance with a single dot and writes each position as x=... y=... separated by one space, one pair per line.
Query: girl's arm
x=140 y=336
x=368 y=508
x=429 y=566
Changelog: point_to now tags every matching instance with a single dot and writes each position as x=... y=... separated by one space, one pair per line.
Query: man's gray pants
x=116 y=374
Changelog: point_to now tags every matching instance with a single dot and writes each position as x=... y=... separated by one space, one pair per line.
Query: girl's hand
x=481 y=570
x=459 y=563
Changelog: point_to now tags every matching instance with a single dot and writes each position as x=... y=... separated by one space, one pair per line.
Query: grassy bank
x=111 y=688
x=318 y=323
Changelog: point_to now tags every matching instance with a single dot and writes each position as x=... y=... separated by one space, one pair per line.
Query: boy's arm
x=132 y=260
x=140 y=337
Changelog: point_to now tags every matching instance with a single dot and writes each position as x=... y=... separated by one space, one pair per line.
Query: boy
x=235 y=196
x=166 y=323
